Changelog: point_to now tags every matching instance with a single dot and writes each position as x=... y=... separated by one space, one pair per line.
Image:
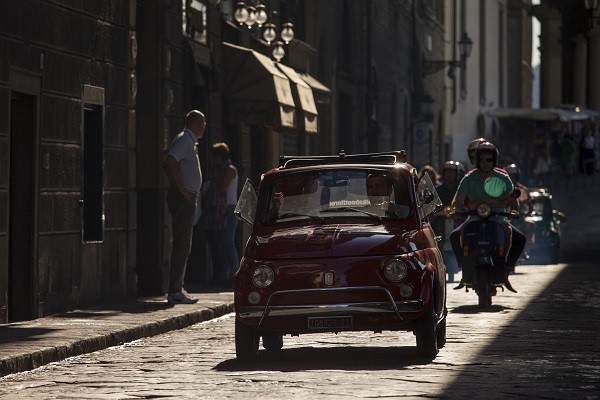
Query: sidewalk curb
x=29 y=361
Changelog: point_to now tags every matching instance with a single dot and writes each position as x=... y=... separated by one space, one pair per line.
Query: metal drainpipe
x=454 y=55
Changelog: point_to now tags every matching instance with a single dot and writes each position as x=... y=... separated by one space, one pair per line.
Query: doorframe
x=29 y=83
x=93 y=96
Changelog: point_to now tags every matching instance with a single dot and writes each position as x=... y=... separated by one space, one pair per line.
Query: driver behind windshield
x=379 y=189
x=486 y=184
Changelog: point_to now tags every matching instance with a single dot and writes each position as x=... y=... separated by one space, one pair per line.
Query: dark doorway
x=345 y=113
x=93 y=166
x=20 y=248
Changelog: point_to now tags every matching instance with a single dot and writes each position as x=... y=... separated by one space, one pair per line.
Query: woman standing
x=225 y=177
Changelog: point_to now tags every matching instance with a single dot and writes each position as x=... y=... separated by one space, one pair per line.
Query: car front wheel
x=426 y=334
x=440 y=332
x=246 y=342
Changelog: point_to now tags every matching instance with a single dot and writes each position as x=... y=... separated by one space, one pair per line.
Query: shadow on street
x=551 y=349
x=343 y=358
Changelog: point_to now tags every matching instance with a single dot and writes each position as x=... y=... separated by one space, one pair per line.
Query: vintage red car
x=339 y=243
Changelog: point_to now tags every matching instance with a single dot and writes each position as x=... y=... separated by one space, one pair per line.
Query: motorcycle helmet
x=486 y=148
x=513 y=171
x=472 y=146
x=455 y=166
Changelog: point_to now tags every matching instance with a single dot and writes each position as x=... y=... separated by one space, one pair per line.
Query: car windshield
x=319 y=195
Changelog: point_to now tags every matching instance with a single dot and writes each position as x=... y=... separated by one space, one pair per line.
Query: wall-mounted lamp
x=465 y=45
x=256 y=13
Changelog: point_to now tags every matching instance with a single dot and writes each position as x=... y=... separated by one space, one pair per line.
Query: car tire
x=272 y=342
x=425 y=332
x=554 y=256
x=483 y=289
x=440 y=333
x=246 y=342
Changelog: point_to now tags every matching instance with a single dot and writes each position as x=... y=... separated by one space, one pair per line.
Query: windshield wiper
x=292 y=214
x=334 y=209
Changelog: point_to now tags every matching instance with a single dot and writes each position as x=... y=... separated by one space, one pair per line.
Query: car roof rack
x=390 y=158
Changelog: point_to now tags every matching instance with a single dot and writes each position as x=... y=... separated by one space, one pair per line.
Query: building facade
x=92 y=94
x=496 y=74
x=67 y=151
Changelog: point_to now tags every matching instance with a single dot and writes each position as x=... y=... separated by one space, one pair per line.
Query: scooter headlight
x=263 y=276
x=395 y=270
x=484 y=210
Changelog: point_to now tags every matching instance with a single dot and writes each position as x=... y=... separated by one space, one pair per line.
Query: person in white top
x=182 y=166
x=588 y=145
x=226 y=178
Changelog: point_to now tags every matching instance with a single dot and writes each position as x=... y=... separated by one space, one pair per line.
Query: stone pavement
x=30 y=344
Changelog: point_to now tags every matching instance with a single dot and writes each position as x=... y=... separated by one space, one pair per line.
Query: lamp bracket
x=433 y=66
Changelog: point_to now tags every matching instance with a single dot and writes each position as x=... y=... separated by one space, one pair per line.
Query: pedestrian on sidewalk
x=225 y=178
x=567 y=155
x=588 y=145
x=182 y=166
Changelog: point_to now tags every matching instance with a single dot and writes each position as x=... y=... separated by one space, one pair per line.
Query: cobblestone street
x=542 y=342
x=526 y=345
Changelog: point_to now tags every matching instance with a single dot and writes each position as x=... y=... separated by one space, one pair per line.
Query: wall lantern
x=465 y=45
x=256 y=13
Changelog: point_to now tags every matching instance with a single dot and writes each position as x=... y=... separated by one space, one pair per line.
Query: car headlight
x=263 y=276
x=395 y=270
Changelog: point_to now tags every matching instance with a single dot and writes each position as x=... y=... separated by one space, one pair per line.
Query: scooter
x=485 y=244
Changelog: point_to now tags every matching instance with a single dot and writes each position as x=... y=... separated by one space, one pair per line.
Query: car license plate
x=329 y=322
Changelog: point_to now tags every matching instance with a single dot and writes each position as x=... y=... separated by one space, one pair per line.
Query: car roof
x=387 y=158
x=390 y=160
x=402 y=168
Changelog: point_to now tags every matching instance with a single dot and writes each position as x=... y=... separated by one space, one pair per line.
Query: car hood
x=332 y=241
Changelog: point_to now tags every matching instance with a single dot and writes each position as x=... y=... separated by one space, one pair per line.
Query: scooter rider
x=452 y=174
x=517 y=238
x=514 y=172
x=472 y=147
x=485 y=184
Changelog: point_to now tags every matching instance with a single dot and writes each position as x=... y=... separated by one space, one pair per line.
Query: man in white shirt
x=182 y=166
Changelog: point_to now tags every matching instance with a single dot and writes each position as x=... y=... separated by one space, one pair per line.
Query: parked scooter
x=485 y=244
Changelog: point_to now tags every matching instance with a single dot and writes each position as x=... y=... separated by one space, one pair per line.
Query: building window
x=92 y=228
x=482 y=46
x=346 y=48
x=93 y=163
x=463 y=28
x=501 y=55
x=194 y=20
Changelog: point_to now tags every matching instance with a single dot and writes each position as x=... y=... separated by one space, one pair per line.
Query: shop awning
x=540 y=114
x=313 y=83
x=305 y=103
x=255 y=89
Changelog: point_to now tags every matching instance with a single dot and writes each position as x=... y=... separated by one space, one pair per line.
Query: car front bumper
x=273 y=310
